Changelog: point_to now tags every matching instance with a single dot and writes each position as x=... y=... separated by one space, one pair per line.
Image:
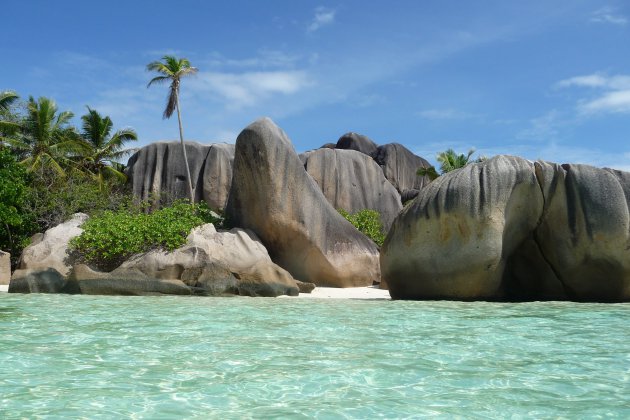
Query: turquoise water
x=174 y=357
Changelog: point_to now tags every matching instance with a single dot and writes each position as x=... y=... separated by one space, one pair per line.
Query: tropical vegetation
x=171 y=70
x=104 y=149
x=113 y=236
x=367 y=222
x=50 y=169
x=449 y=161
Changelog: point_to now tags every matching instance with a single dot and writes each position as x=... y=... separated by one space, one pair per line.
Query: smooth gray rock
x=352 y=181
x=157 y=171
x=51 y=249
x=400 y=165
x=358 y=142
x=274 y=196
x=5 y=268
x=510 y=229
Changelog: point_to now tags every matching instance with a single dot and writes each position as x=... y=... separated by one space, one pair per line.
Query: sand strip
x=345 y=293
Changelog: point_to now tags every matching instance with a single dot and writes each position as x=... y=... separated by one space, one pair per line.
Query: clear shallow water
x=174 y=357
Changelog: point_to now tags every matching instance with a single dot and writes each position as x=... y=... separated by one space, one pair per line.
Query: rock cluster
x=511 y=229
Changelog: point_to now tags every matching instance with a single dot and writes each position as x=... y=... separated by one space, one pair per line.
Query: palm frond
x=159 y=80
x=7 y=98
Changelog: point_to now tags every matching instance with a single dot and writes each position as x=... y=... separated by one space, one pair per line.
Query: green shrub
x=113 y=236
x=367 y=222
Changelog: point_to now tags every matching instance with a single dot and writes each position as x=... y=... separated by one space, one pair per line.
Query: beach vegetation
x=367 y=222
x=113 y=236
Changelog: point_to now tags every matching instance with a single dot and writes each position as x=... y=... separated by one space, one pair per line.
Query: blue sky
x=539 y=79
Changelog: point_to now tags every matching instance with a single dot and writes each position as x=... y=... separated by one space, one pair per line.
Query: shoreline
x=365 y=293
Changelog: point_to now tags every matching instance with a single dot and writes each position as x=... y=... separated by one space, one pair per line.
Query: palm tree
x=44 y=139
x=172 y=70
x=7 y=98
x=104 y=148
x=7 y=123
x=449 y=161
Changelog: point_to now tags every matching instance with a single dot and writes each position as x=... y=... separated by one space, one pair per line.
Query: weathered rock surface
x=50 y=250
x=5 y=267
x=121 y=281
x=584 y=233
x=510 y=229
x=233 y=262
x=274 y=196
x=158 y=170
x=400 y=165
x=352 y=181
x=38 y=280
x=358 y=142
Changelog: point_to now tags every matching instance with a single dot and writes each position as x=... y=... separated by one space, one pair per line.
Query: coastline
x=367 y=293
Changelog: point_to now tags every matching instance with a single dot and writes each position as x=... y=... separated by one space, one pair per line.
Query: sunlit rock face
x=511 y=229
x=273 y=195
x=352 y=181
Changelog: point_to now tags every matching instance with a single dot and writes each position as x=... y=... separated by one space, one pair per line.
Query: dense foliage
x=49 y=169
x=15 y=220
x=367 y=222
x=111 y=237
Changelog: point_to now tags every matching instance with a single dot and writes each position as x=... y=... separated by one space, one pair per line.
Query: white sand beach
x=371 y=292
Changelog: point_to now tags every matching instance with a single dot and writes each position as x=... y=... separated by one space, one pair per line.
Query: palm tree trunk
x=191 y=191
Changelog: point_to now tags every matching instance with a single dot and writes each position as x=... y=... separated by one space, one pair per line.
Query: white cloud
x=248 y=89
x=596 y=80
x=323 y=17
x=613 y=102
x=608 y=15
x=613 y=93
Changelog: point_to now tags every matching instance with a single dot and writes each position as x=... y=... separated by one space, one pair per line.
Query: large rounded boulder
x=358 y=142
x=157 y=172
x=510 y=229
x=584 y=233
x=273 y=195
x=453 y=240
x=400 y=166
x=352 y=181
